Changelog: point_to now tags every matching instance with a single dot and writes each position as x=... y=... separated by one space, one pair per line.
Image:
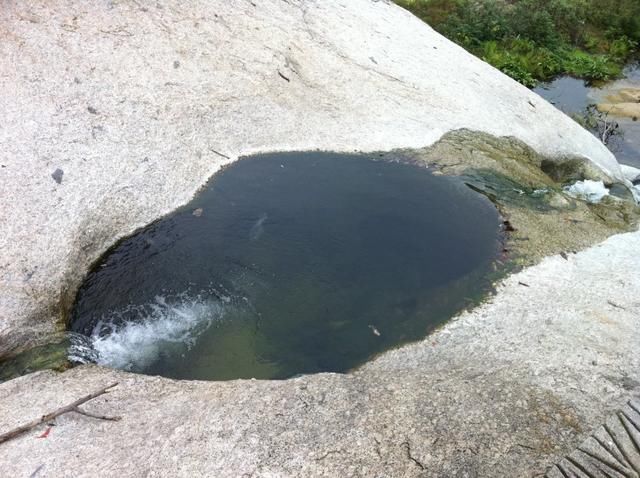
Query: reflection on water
x=288 y=264
x=573 y=96
x=568 y=94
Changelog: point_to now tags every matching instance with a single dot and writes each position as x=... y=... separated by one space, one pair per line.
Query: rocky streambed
x=616 y=102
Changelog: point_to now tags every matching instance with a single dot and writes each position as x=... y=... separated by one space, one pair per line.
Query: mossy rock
x=527 y=188
x=49 y=356
x=570 y=170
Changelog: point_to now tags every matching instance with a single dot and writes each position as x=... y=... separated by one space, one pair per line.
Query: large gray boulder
x=503 y=391
x=114 y=113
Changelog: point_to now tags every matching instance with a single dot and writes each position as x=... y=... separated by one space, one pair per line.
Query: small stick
x=284 y=77
x=613 y=304
x=73 y=407
x=219 y=153
x=97 y=417
x=35 y=473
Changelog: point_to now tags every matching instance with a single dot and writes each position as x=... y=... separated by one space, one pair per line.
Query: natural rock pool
x=288 y=264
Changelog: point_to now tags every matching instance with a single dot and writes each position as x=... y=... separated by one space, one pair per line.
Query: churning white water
x=591 y=191
x=163 y=328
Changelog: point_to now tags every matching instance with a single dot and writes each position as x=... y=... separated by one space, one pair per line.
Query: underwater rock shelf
x=288 y=264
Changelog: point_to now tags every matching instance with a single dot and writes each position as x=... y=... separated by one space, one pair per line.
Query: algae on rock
x=527 y=189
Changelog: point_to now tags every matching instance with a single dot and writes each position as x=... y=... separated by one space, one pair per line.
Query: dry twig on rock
x=73 y=407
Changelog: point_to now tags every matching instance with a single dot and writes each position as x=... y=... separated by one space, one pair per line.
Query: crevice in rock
x=407 y=448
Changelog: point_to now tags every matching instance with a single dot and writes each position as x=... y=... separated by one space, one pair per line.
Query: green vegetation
x=532 y=40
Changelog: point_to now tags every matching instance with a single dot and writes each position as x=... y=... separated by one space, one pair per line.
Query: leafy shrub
x=537 y=39
x=622 y=47
x=590 y=67
x=534 y=23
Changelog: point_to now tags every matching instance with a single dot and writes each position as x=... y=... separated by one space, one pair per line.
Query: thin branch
x=613 y=304
x=283 y=77
x=73 y=407
x=37 y=470
x=219 y=153
x=97 y=417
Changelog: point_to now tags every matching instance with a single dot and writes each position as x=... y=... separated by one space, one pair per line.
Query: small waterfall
x=167 y=326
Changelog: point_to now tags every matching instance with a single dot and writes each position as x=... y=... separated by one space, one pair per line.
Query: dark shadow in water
x=288 y=264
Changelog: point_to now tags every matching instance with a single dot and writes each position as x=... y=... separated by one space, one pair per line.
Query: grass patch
x=533 y=40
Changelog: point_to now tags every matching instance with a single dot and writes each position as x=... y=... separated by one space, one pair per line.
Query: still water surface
x=288 y=264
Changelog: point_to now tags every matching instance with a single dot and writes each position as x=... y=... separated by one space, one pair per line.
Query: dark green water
x=288 y=264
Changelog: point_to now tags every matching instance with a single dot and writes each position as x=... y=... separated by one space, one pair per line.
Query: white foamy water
x=149 y=332
x=591 y=191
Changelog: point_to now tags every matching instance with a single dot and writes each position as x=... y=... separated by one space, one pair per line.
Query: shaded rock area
x=140 y=104
x=505 y=390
